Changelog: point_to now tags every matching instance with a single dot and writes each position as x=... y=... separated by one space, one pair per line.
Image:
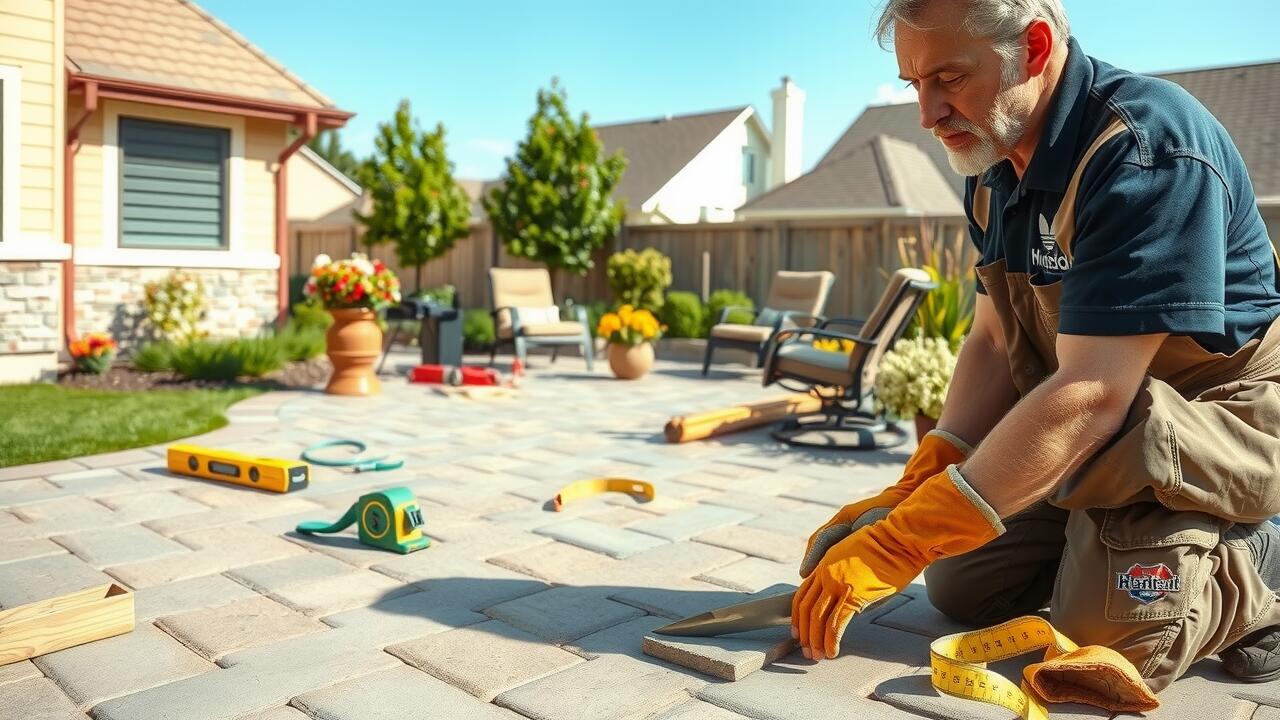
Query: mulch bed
x=121 y=376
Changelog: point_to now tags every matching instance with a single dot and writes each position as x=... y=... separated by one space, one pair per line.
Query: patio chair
x=795 y=298
x=526 y=315
x=845 y=382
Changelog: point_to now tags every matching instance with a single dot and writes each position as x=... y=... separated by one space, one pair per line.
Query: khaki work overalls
x=1130 y=550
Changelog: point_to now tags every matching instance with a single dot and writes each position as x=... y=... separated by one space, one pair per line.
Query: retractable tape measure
x=959 y=663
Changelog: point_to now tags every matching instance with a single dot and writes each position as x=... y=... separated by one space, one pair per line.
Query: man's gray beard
x=1007 y=128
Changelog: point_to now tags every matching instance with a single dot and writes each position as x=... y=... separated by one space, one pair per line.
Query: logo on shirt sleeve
x=1048 y=256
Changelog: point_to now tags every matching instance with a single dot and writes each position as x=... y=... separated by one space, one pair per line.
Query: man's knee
x=953 y=592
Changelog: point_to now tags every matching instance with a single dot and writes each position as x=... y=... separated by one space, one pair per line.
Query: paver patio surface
x=514 y=611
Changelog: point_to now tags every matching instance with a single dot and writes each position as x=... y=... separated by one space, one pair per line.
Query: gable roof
x=1244 y=98
x=659 y=148
x=174 y=43
x=326 y=167
x=884 y=175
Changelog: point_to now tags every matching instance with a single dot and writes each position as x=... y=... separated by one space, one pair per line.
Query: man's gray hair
x=1003 y=21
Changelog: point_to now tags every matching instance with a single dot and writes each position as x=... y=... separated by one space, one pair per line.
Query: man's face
x=977 y=110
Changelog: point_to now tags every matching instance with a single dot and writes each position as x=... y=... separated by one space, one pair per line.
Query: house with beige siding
x=139 y=136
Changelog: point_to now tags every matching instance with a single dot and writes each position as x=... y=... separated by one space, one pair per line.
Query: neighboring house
x=702 y=167
x=139 y=136
x=1244 y=98
x=883 y=177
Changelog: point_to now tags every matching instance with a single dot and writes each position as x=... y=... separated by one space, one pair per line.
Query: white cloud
x=892 y=94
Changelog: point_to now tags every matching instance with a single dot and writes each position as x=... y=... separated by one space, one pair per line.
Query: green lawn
x=50 y=422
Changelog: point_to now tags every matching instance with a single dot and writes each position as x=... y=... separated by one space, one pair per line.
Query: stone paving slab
x=455 y=581
x=404 y=618
x=615 y=542
x=485 y=659
x=697 y=710
x=118 y=545
x=121 y=665
x=14 y=550
x=729 y=658
x=614 y=687
x=36 y=699
x=26 y=581
x=206 y=592
x=564 y=613
x=255 y=621
x=396 y=694
x=15 y=672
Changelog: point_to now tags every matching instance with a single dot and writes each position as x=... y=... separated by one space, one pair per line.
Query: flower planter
x=630 y=362
x=354 y=342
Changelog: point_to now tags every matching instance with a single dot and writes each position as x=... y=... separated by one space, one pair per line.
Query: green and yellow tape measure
x=959 y=663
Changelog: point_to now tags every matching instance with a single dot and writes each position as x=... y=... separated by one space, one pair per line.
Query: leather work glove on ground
x=943 y=517
x=937 y=450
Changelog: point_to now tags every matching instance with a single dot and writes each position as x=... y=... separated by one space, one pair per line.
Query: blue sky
x=476 y=66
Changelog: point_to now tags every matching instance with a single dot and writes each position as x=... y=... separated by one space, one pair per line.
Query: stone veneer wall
x=29 y=294
x=109 y=299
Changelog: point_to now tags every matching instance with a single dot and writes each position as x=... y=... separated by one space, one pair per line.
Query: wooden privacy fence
x=704 y=257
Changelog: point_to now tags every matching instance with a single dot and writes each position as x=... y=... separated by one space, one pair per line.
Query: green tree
x=556 y=205
x=328 y=145
x=415 y=203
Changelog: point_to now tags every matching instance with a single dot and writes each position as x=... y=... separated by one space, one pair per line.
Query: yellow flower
x=624 y=313
x=608 y=325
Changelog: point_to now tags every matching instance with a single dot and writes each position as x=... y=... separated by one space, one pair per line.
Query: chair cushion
x=747 y=333
x=549 y=314
x=554 y=328
x=802 y=361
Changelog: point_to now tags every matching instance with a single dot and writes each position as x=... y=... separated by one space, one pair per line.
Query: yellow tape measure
x=959 y=663
x=594 y=486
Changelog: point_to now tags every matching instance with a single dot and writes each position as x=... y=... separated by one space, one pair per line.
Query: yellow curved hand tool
x=594 y=486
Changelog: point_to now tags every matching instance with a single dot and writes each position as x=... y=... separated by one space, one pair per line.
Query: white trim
x=35 y=247
x=143 y=257
x=11 y=76
x=111 y=174
x=329 y=169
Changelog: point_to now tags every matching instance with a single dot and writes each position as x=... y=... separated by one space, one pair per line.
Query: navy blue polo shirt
x=1167 y=238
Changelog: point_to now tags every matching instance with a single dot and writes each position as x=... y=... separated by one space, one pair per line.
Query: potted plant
x=913 y=378
x=353 y=290
x=93 y=353
x=630 y=334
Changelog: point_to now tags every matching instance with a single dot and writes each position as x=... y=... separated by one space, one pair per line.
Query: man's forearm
x=981 y=391
x=1043 y=439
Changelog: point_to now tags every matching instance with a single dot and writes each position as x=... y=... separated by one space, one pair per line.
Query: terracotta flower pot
x=924 y=424
x=354 y=342
x=629 y=362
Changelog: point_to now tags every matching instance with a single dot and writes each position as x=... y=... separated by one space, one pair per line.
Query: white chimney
x=788 y=131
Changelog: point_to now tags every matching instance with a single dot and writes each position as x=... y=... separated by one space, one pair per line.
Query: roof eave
x=326 y=167
x=119 y=89
x=836 y=213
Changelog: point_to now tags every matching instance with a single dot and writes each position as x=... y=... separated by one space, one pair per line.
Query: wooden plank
x=58 y=623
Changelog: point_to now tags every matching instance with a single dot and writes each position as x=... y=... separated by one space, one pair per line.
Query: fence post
x=706 y=276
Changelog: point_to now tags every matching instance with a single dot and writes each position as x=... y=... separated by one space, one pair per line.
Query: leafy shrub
x=719 y=300
x=300 y=342
x=947 y=311
x=442 y=295
x=477 y=328
x=207 y=360
x=682 y=313
x=638 y=279
x=259 y=356
x=311 y=314
x=914 y=376
x=175 y=305
x=154 y=357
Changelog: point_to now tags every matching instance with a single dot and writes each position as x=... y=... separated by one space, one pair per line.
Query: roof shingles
x=173 y=43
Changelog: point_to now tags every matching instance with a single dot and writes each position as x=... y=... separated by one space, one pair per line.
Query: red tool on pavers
x=454 y=375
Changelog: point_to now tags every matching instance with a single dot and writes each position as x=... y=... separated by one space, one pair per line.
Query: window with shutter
x=173 y=185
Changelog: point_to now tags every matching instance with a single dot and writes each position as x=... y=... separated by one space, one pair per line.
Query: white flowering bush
x=175 y=306
x=914 y=376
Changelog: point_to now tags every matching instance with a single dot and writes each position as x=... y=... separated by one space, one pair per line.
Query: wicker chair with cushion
x=795 y=299
x=525 y=314
x=845 y=381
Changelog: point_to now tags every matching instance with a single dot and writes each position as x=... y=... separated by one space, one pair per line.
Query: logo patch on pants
x=1148 y=583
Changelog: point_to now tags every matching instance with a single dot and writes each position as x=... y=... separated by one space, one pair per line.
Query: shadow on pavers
x=458 y=602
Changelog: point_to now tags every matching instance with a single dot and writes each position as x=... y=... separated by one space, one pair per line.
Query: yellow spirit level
x=272 y=474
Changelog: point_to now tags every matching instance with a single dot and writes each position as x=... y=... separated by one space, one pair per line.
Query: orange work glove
x=937 y=450
x=1093 y=675
x=943 y=517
